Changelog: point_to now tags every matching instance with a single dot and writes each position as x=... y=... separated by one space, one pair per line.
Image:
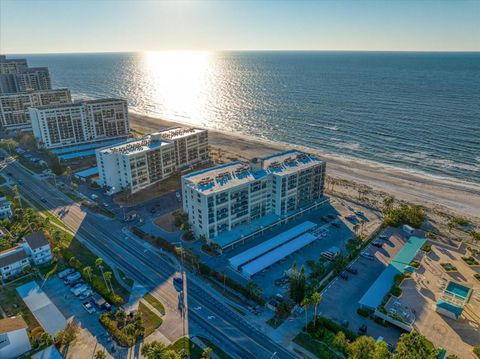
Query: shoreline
x=457 y=196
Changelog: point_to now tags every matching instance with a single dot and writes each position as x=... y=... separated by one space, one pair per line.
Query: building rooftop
x=11 y=324
x=179 y=132
x=131 y=147
x=219 y=178
x=12 y=255
x=287 y=162
x=36 y=240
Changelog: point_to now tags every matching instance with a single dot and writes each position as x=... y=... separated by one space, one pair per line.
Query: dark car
x=336 y=224
x=362 y=330
x=377 y=244
x=351 y=270
x=153 y=210
x=43 y=199
x=331 y=216
x=343 y=275
x=324 y=219
x=178 y=280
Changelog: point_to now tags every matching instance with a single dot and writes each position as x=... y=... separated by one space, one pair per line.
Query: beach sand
x=461 y=198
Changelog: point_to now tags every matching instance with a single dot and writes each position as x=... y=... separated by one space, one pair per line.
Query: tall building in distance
x=56 y=126
x=14 y=113
x=140 y=163
x=247 y=196
x=16 y=76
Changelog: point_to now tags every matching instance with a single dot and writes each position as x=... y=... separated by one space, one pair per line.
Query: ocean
x=416 y=111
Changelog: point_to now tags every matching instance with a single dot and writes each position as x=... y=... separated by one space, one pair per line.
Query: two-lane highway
x=150 y=269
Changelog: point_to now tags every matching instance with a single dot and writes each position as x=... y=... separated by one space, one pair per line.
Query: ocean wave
x=347 y=145
x=327 y=127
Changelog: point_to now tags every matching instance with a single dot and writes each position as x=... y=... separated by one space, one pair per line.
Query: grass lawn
x=184 y=345
x=216 y=349
x=150 y=319
x=275 y=322
x=315 y=347
x=128 y=281
x=154 y=302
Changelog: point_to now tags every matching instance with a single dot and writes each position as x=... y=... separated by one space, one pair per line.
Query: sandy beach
x=458 y=197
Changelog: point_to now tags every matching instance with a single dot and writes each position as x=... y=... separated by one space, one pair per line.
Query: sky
x=107 y=25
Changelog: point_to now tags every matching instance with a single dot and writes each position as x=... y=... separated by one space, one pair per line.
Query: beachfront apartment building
x=14 y=114
x=238 y=198
x=16 y=76
x=140 y=163
x=56 y=126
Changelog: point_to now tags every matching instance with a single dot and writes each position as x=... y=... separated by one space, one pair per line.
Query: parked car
x=362 y=330
x=383 y=237
x=178 y=280
x=87 y=294
x=89 y=307
x=331 y=216
x=72 y=278
x=351 y=270
x=336 y=224
x=343 y=275
x=324 y=219
x=367 y=256
x=377 y=244
x=65 y=272
x=101 y=303
x=79 y=289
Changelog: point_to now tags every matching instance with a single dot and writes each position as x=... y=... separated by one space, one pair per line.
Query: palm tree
x=99 y=265
x=207 y=353
x=316 y=298
x=100 y=354
x=153 y=350
x=72 y=261
x=120 y=316
x=17 y=195
x=56 y=253
x=88 y=272
x=108 y=280
x=305 y=304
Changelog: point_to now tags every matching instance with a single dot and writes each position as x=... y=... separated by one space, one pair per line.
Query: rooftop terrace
x=289 y=161
x=131 y=147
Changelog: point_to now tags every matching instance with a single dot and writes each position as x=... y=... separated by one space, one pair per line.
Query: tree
x=87 y=271
x=108 y=280
x=99 y=265
x=72 y=261
x=253 y=289
x=362 y=348
x=100 y=354
x=207 y=353
x=153 y=350
x=120 y=316
x=316 y=298
x=67 y=335
x=381 y=351
x=56 y=166
x=306 y=302
x=414 y=346
x=170 y=354
x=45 y=339
x=56 y=251
x=340 y=341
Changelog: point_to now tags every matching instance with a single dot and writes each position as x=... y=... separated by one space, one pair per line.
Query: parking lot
x=92 y=335
x=335 y=236
x=340 y=298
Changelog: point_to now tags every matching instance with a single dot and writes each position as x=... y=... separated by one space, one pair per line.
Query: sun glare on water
x=179 y=82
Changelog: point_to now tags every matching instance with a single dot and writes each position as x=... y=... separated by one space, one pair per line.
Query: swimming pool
x=458 y=290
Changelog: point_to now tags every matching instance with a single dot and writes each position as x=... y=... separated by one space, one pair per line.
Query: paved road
x=148 y=268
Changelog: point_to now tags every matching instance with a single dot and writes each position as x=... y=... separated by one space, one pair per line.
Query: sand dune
x=460 y=197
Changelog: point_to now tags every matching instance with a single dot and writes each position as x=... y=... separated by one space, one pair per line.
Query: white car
x=79 y=289
x=89 y=307
x=87 y=294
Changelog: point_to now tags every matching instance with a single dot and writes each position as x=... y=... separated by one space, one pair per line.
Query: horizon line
x=238 y=50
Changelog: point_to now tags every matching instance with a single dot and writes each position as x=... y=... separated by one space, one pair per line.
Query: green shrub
x=363 y=312
x=426 y=247
x=476 y=351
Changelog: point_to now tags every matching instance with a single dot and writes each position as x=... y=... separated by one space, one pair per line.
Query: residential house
x=5 y=208
x=13 y=261
x=13 y=337
x=38 y=247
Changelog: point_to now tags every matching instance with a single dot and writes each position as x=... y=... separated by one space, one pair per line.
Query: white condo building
x=14 y=114
x=229 y=202
x=56 y=126
x=139 y=163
